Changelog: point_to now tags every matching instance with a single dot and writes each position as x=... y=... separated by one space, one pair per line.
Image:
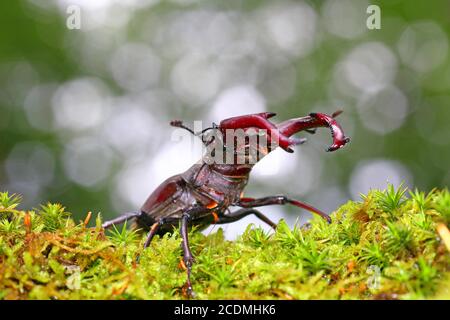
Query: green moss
x=385 y=246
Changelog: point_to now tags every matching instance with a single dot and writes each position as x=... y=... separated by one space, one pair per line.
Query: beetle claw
x=315 y=120
x=270 y=114
x=336 y=113
x=335 y=147
x=188 y=291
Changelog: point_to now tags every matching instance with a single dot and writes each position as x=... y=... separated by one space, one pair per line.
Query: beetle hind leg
x=122 y=218
x=242 y=213
x=282 y=200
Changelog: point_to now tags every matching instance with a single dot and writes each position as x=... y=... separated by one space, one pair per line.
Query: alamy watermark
x=373 y=282
x=73 y=21
x=374 y=19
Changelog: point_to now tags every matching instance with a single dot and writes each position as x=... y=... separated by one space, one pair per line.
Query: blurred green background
x=84 y=113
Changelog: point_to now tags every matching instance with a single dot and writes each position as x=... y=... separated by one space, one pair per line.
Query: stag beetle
x=203 y=194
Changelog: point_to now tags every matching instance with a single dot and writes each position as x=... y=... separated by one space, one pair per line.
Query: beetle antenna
x=179 y=124
x=214 y=126
x=202 y=133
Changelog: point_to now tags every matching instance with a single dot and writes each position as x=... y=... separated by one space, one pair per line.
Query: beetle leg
x=242 y=213
x=153 y=230
x=188 y=258
x=122 y=218
x=271 y=200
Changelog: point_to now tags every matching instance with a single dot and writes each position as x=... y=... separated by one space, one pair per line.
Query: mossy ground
x=387 y=246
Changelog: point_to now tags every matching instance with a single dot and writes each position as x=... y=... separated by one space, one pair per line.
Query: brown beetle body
x=199 y=186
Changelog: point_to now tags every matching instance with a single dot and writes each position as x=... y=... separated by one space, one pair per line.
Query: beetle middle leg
x=242 y=213
x=271 y=200
x=153 y=230
x=188 y=258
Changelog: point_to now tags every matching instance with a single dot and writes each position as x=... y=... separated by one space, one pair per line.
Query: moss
x=384 y=247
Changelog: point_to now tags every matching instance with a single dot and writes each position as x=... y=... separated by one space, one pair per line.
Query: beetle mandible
x=203 y=194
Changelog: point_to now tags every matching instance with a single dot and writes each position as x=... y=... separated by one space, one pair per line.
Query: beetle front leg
x=188 y=258
x=271 y=200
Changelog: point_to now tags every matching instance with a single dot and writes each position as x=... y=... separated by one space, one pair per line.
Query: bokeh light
x=375 y=174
